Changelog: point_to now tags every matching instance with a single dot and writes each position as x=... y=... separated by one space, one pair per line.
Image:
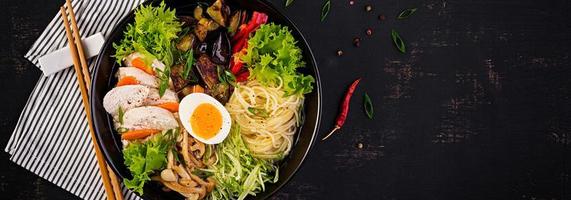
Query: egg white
x=187 y=107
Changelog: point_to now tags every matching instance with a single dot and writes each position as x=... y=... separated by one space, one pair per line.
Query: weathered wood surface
x=477 y=109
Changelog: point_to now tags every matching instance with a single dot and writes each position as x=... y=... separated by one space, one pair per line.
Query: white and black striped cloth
x=52 y=138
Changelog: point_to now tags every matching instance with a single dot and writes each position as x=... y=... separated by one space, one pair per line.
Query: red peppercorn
x=382 y=17
x=369 y=32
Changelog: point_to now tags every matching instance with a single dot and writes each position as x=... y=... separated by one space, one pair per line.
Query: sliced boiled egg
x=204 y=118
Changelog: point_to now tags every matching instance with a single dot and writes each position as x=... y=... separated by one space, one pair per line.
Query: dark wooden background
x=479 y=107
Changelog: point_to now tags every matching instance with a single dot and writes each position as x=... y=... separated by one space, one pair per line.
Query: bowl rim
x=301 y=39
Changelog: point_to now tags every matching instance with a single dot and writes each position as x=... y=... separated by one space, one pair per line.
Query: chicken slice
x=142 y=77
x=155 y=99
x=149 y=117
x=125 y=97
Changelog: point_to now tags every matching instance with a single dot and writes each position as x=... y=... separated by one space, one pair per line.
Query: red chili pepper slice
x=240 y=45
x=243 y=76
x=240 y=40
x=255 y=22
x=246 y=29
x=236 y=67
x=344 y=110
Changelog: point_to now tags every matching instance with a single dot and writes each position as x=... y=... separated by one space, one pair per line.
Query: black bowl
x=104 y=79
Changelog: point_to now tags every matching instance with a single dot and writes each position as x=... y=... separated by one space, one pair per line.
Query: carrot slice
x=127 y=80
x=171 y=106
x=138 y=134
x=139 y=63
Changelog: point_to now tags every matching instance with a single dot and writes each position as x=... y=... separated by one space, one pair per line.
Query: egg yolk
x=206 y=120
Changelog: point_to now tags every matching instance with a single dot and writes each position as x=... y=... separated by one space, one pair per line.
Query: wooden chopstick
x=115 y=183
x=105 y=176
x=79 y=44
x=117 y=191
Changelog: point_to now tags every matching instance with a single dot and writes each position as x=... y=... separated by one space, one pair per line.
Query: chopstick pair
x=110 y=181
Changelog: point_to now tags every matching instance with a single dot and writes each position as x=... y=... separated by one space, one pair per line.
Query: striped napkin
x=52 y=138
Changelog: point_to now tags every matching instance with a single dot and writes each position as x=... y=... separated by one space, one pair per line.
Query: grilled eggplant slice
x=219 y=12
x=188 y=21
x=221 y=92
x=220 y=51
x=207 y=70
x=186 y=42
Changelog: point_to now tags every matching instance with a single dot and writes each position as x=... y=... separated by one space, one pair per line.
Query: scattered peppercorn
x=382 y=17
x=339 y=52
x=368 y=8
x=357 y=41
x=369 y=32
x=351 y=2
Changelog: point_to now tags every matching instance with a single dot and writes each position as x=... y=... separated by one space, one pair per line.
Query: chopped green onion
x=122 y=129
x=225 y=76
x=406 y=13
x=258 y=112
x=368 y=105
x=164 y=77
x=202 y=173
x=182 y=33
x=325 y=9
x=230 y=78
x=207 y=153
x=120 y=114
x=288 y=2
x=222 y=75
x=176 y=156
x=397 y=40
x=189 y=63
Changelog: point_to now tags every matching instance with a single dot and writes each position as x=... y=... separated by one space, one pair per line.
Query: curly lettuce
x=273 y=58
x=154 y=30
x=145 y=158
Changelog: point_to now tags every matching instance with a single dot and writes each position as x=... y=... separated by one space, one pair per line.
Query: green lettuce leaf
x=144 y=158
x=273 y=56
x=153 y=30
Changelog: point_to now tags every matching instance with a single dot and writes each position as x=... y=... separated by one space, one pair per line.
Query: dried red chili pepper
x=344 y=110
